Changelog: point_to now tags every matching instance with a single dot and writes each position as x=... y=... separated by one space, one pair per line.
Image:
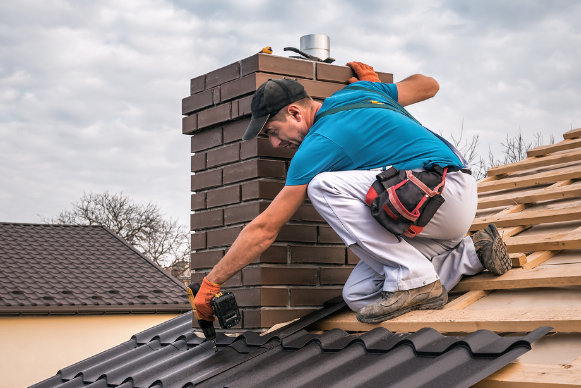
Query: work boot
x=393 y=304
x=491 y=250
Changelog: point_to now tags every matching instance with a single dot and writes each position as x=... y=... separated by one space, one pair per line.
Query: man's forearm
x=249 y=245
x=259 y=234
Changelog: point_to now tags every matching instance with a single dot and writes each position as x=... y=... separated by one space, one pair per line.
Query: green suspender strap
x=390 y=105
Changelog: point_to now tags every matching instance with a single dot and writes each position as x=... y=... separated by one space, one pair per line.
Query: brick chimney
x=233 y=181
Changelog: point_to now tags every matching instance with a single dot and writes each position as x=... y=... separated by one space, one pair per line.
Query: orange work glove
x=363 y=72
x=203 y=298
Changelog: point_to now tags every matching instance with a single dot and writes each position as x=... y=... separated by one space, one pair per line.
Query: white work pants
x=389 y=263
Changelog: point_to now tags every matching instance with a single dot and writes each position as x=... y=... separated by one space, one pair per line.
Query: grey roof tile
x=69 y=269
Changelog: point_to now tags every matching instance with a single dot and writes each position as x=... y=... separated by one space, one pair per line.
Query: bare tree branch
x=145 y=227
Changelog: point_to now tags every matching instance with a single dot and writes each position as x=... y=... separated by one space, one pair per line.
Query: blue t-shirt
x=364 y=139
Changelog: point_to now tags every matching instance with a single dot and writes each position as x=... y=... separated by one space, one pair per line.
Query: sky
x=90 y=91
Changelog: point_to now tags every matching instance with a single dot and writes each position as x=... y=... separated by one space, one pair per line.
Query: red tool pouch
x=403 y=201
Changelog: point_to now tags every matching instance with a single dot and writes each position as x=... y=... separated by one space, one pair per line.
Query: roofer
x=343 y=144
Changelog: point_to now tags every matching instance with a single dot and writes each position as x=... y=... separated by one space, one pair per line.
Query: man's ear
x=296 y=112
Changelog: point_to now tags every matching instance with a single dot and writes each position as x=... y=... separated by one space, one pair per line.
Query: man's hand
x=363 y=72
x=203 y=298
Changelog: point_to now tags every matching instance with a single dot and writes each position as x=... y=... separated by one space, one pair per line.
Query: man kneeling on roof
x=343 y=144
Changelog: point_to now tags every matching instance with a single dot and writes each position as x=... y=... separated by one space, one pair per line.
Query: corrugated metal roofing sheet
x=171 y=355
x=86 y=269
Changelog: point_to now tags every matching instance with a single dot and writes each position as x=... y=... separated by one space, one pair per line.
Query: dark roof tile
x=171 y=355
x=68 y=269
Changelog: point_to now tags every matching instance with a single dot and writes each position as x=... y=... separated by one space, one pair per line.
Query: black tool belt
x=404 y=201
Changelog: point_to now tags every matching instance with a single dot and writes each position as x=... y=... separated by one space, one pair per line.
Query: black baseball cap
x=269 y=99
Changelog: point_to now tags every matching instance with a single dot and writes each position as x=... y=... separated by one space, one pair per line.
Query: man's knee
x=351 y=298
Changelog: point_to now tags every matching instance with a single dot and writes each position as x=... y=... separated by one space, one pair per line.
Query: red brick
x=298 y=233
x=235 y=109
x=257 y=276
x=261 y=190
x=255 y=168
x=189 y=124
x=207 y=139
x=307 y=213
x=352 y=258
x=206 y=179
x=245 y=85
x=234 y=281
x=207 y=219
x=334 y=73
x=198 y=201
x=328 y=236
x=197 y=101
x=198 y=161
x=262 y=147
x=313 y=296
x=274 y=254
x=197 y=277
x=223 y=237
x=277 y=65
x=215 y=115
x=205 y=259
x=197 y=84
x=224 y=155
x=224 y=74
x=243 y=212
x=261 y=296
x=316 y=89
x=198 y=240
x=244 y=106
x=217 y=95
x=335 y=275
x=268 y=317
x=233 y=131
x=224 y=196
x=323 y=255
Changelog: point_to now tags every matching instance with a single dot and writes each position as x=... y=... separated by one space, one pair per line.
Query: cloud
x=90 y=92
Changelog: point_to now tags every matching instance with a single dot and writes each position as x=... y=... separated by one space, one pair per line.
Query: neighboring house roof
x=171 y=355
x=80 y=269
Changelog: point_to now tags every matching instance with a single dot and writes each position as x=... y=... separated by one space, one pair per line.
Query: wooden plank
x=572 y=134
x=519 y=375
x=536 y=162
x=466 y=300
x=492 y=178
x=538 y=258
x=518 y=259
x=531 y=196
x=529 y=218
x=540 y=178
x=509 y=232
x=544 y=242
x=566 y=144
x=549 y=276
x=562 y=319
x=514 y=209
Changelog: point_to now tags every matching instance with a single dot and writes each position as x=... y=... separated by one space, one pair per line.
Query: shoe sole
x=500 y=262
x=431 y=304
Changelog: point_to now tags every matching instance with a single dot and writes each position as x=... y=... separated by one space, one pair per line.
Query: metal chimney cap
x=317 y=45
